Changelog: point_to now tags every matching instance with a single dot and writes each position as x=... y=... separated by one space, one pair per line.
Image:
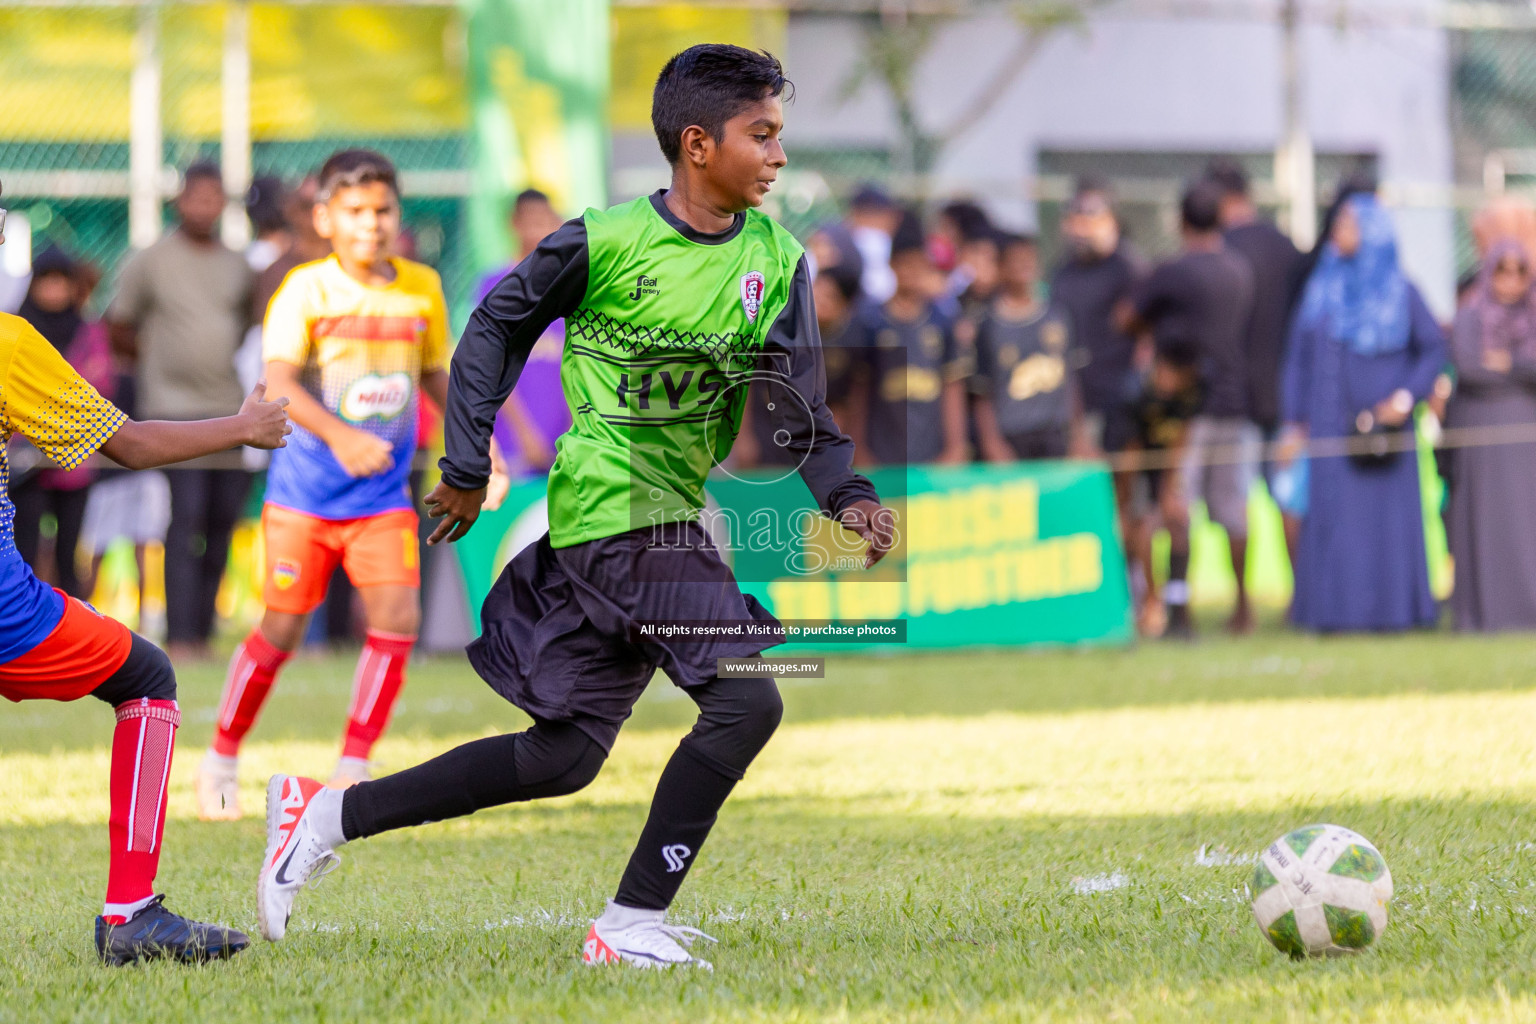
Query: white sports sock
x=215 y=761
x=125 y=910
x=618 y=917
x=354 y=766
x=326 y=808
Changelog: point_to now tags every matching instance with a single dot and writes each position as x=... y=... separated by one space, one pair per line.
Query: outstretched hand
x=457 y=509
x=875 y=523
x=267 y=421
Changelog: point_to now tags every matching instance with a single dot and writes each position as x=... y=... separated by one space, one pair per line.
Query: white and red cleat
x=640 y=938
x=296 y=848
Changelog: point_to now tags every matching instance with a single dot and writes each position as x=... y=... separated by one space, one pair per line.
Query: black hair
x=266 y=204
x=909 y=236
x=529 y=195
x=1091 y=184
x=870 y=196
x=203 y=170
x=1200 y=209
x=1228 y=176
x=846 y=277
x=970 y=220
x=1009 y=239
x=349 y=168
x=1180 y=351
x=53 y=260
x=707 y=85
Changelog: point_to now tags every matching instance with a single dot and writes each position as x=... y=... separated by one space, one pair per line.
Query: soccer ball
x=1321 y=890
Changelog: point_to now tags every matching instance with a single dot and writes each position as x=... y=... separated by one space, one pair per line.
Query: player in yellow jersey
x=353 y=341
x=54 y=647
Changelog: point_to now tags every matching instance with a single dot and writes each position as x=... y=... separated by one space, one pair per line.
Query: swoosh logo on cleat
x=281 y=878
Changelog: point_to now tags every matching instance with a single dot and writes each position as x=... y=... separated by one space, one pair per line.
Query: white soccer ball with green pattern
x=1321 y=890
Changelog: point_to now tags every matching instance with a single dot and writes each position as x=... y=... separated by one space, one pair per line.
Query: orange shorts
x=303 y=552
x=83 y=650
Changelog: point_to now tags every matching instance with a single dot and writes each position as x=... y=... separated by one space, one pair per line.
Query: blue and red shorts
x=83 y=650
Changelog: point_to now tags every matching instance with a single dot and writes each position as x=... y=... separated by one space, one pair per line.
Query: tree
x=897 y=40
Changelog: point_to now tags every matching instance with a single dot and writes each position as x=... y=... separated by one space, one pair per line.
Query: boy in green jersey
x=673 y=304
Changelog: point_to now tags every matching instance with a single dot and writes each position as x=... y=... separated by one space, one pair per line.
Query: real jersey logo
x=644 y=286
x=752 y=287
x=384 y=397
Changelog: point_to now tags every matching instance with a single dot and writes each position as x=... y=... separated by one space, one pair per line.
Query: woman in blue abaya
x=1364 y=350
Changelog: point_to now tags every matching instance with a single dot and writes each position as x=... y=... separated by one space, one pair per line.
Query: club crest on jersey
x=752 y=287
x=285 y=573
x=384 y=397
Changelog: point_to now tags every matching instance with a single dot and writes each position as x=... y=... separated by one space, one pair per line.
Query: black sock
x=551 y=759
x=1177 y=590
x=688 y=799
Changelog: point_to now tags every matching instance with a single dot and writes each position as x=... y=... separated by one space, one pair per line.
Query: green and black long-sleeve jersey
x=666 y=327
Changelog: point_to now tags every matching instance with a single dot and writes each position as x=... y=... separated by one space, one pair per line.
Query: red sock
x=380 y=674
x=252 y=671
x=142 y=745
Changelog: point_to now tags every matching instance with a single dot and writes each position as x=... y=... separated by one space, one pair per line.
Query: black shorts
x=1045 y=443
x=556 y=637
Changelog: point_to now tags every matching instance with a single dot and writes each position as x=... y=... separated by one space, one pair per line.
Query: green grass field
x=982 y=837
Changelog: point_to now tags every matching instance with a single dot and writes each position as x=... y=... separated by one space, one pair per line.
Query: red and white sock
x=380 y=675
x=252 y=671
x=142 y=745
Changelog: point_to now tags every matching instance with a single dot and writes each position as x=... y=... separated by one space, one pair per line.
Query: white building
x=1150 y=95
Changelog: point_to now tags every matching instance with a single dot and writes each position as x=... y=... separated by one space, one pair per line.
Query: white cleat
x=218 y=788
x=295 y=851
x=640 y=938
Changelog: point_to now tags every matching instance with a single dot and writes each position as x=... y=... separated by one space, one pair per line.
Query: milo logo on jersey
x=376 y=396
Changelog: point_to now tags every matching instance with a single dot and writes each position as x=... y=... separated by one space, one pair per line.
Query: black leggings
x=146 y=673
x=205 y=505
x=33 y=501
x=736 y=718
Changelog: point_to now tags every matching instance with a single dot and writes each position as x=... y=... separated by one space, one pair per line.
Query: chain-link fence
x=88 y=87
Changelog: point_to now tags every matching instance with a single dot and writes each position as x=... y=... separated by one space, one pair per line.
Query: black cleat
x=156 y=932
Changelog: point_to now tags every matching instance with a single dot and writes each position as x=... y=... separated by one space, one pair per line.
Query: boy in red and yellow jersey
x=352 y=340
x=54 y=647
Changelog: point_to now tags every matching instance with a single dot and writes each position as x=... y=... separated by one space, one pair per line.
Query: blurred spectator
x=1505 y=218
x=1363 y=350
x=967 y=233
x=53 y=306
x=1094 y=286
x=916 y=390
x=1168 y=397
x=535 y=414
x=1025 y=404
x=266 y=206
x=1494 y=349
x=135 y=507
x=1275 y=262
x=1205 y=296
x=304 y=246
x=956 y=221
x=872 y=220
x=533 y=218
x=181 y=312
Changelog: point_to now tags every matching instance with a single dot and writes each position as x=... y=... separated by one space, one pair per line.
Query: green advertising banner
x=988 y=555
x=538 y=86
